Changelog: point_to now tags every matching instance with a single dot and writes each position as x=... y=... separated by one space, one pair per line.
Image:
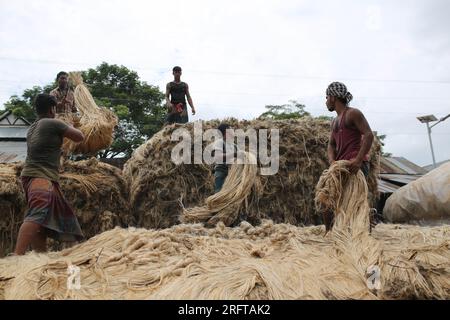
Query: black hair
x=223 y=128
x=177 y=68
x=61 y=73
x=43 y=103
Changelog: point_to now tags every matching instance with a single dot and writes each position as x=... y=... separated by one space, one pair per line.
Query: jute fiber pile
x=265 y=262
x=225 y=205
x=269 y=261
x=12 y=200
x=157 y=184
x=96 y=191
x=96 y=123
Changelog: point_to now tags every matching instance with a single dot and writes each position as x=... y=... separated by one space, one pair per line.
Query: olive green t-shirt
x=44 y=141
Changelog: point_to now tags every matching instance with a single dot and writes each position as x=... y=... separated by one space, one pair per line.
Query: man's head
x=176 y=71
x=223 y=129
x=337 y=94
x=63 y=79
x=45 y=105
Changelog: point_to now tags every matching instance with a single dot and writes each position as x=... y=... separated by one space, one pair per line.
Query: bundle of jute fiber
x=269 y=261
x=96 y=123
x=96 y=191
x=225 y=205
x=157 y=184
x=12 y=200
x=345 y=195
x=73 y=120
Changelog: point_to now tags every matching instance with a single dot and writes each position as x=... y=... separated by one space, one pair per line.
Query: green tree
x=138 y=105
x=291 y=110
x=381 y=138
x=23 y=106
x=296 y=110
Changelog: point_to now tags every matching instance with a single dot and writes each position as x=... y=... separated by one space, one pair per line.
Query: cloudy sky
x=239 y=56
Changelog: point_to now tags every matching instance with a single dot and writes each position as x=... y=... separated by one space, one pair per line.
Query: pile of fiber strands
x=96 y=191
x=269 y=261
x=96 y=123
x=12 y=200
x=339 y=192
x=225 y=205
x=157 y=184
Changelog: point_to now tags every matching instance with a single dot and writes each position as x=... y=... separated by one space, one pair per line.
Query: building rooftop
x=12 y=151
x=400 y=165
x=13 y=132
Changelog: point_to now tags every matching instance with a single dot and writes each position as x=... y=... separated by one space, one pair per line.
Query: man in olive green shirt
x=48 y=212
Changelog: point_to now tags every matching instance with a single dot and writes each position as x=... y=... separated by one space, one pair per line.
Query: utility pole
x=427 y=120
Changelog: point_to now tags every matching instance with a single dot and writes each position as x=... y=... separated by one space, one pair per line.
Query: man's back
x=44 y=140
x=347 y=136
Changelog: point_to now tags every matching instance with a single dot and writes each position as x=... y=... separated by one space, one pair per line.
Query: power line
x=284 y=95
x=235 y=106
x=413 y=133
x=230 y=73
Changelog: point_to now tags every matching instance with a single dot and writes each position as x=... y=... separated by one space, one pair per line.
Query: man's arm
x=169 y=105
x=73 y=134
x=331 y=146
x=189 y=99
x=74 y=108
x=359 y=121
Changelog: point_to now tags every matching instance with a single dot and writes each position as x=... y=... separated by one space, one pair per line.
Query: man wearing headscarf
x=351 y=137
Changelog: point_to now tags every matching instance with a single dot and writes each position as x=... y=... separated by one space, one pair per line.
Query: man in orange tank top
x=351 y=137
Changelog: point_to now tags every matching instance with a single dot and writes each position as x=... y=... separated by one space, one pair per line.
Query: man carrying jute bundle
x=351 y=137
x=64 y=94
x=48 y=212
x=224 y=149
x=176 y=94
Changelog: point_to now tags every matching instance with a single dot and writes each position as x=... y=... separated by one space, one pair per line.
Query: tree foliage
x=138 y=105
x=291 y=110
x=296 y=110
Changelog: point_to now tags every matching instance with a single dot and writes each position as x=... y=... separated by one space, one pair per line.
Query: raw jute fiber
x=268 y=261
x=96 y=123
x=157 y=184
x=226 y=205
x=96 y=191
x=264 y=262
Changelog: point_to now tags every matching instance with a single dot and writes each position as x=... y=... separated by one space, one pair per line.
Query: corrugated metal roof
x=12 y=151
x=386 y=187
x=388 y=182
x=399 y=178
x=8 y=117
x=400 y=165
x=13 y=132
